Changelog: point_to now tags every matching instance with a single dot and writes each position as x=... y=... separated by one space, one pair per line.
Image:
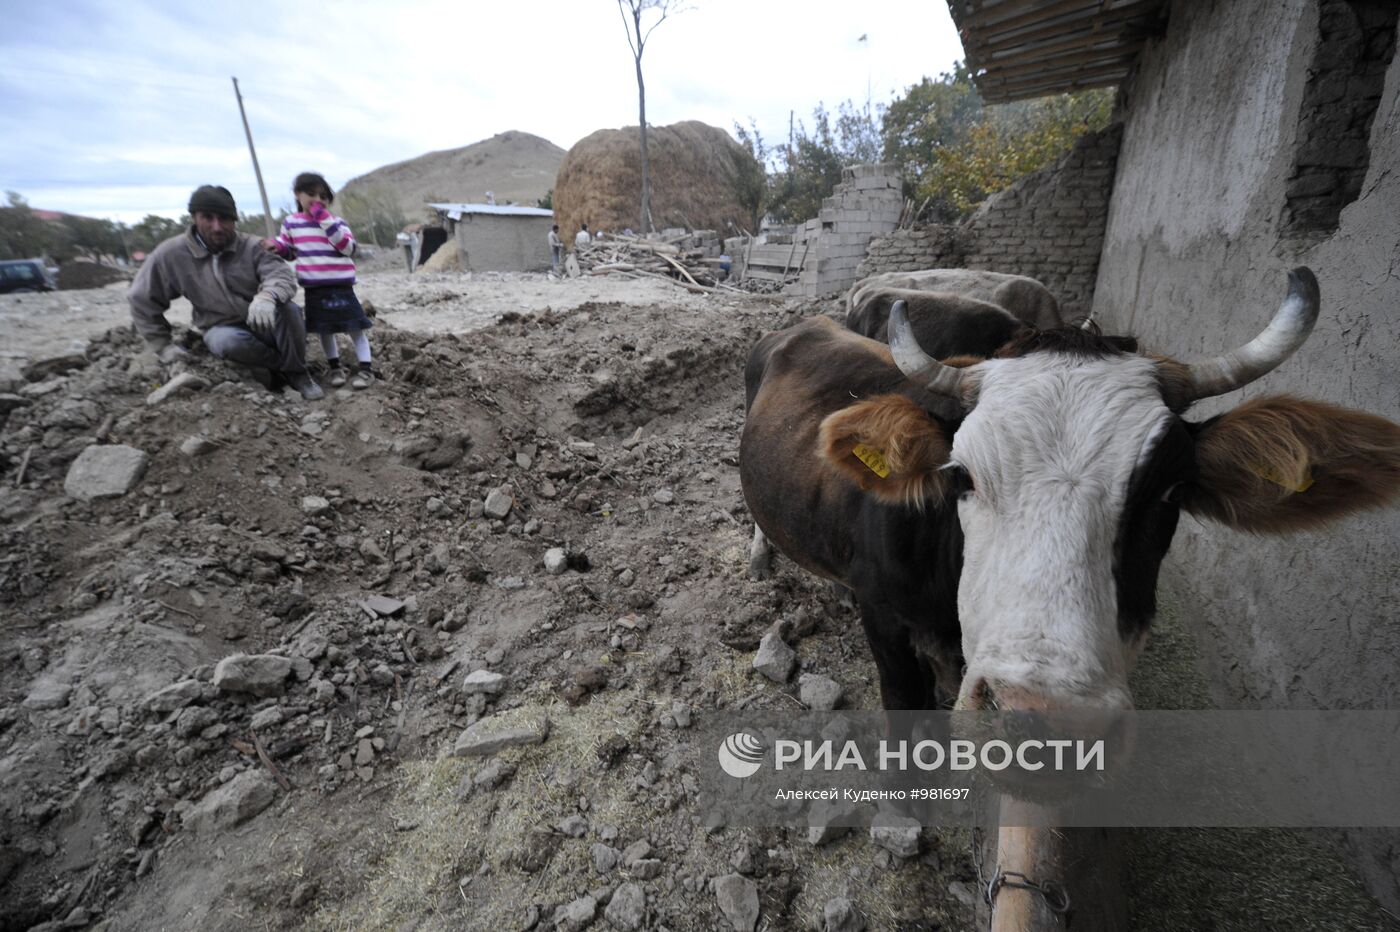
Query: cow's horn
x=914 y=362
x=1288 y=330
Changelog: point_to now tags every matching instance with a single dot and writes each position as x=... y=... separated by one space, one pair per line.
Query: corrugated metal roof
x=502 y=209
x=1030 y=48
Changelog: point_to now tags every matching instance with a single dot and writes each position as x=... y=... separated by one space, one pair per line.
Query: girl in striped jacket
x=323 y=246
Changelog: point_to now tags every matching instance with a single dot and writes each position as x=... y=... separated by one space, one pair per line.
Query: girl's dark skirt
x=334 y=309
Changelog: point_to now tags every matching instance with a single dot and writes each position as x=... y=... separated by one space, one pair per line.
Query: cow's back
x=1024 y=298
x=945 y=324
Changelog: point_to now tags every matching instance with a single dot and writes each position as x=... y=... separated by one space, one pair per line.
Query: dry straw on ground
x=694 y=168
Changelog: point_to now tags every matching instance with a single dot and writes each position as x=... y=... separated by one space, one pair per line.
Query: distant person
x=323 y=247
x=582 y=238
x=556 y=248
x=491 y=198
x=242 y=296
x=598 y=236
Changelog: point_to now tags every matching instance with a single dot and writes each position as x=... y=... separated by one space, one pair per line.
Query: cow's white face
x=1050 y=446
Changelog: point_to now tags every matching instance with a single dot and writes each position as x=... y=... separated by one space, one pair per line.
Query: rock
x=820 y=817
x=556 y=561
x=364 y=753
x=498 y=503
x=898 y=835
x=184 y=382
x=314 y=505
x=175 y=696
x=489 y=735
x=383 y=606
x=738 y=900
x=484 y=682
x=197 y=446
x=254 y=674
x=605 y=857
x=646 y=869
x=663 y=496
x=267 y=718
x=41 y=369
x=627 y=909
x=233 y=803
x=105 y=471
x=9 y=401
x=47 y=694
x=819 y=693
x=840 y=916
x=775 y=659
x=964 y=892
x=577 y=915
x=635 y=852
x=193 y=720
x=575 y=826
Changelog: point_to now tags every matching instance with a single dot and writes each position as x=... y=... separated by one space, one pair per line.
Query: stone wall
x=502 y=243
x=865 y=204
x=1049 y=226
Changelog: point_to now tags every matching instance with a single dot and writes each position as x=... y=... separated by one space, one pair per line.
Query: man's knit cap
x=213 y=199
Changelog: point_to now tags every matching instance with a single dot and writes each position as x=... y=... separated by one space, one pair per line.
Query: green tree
x=152 y=230
x=954 y=150
x=811 y=170
x=751 y=179
x=546 y=202
x=930 y=115
x=22 y=234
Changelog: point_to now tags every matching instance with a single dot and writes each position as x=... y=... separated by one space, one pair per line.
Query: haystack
x=694 y=174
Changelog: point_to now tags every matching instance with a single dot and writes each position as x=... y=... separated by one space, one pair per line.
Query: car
x=21 y=275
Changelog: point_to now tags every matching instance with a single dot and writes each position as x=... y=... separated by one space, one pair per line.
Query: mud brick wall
x=867 y=203
x=1049 y=225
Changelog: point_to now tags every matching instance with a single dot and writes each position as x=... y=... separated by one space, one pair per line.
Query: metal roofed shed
x=498 y=237
x=1017 y=49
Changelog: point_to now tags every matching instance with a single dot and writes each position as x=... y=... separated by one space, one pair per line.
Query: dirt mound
x=517 y=167
x=694 y=173
x=541 y=519
x=78 y=274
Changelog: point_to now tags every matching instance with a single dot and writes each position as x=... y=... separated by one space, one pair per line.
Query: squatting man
x=242 y=295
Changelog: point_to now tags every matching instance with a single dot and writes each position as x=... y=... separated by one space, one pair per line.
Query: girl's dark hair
x=312 y=183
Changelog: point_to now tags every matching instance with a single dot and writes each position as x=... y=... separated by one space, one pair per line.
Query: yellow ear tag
x=1271 y=474
x=873 y=458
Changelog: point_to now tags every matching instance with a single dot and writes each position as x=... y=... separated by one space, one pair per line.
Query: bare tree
x=632 y=12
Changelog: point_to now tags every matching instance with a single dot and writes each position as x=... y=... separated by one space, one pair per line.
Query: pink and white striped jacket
x=322 y=244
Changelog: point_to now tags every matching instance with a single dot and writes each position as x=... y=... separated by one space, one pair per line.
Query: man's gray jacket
x=220 y=287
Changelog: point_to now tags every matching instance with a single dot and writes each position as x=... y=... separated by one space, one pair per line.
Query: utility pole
x=262 y=189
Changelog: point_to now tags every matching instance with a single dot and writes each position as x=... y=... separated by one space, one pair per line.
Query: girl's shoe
x=337 y=378
x=362 y=380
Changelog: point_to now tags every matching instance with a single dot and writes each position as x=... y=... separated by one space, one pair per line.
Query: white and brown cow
x=1001 y=521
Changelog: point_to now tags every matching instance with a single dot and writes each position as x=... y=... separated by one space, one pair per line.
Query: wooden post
x=1085 y=863
x=262 y=189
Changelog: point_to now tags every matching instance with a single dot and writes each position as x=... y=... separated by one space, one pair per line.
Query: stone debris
x=818 y=693
x=490 y=735
x=232 y=804
x=577 y=915
x=737 y=897
x=897 y=834
x=197 y=445
x=105 y=471
x=555 y=561
x=254 y=674
x=47 y=694
x=498 y=503
x=839 y=915
x=484 y=682
x=627 y=909
x=314 y=505
x=775 y=659
x=184 y=382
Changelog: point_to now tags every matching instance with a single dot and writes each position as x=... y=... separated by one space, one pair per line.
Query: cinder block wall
x=502 y=243
x=1049 y=225
x=865 y=204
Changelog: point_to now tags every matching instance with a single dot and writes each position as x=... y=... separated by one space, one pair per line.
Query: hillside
x=515 y=166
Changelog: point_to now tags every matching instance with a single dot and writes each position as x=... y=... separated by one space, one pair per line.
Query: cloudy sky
x=121 y=109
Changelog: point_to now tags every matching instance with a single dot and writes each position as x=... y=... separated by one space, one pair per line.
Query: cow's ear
x=1281 y=464
x=888 y=446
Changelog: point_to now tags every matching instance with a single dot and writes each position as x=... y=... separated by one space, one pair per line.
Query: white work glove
x=262 y=314
x=171 y=352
